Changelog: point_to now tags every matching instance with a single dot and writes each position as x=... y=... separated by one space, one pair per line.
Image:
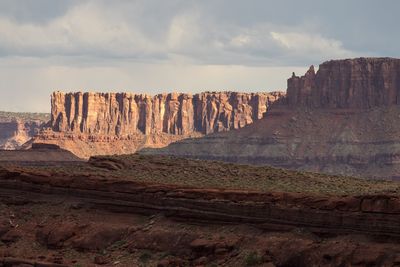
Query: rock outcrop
x=97 y=215
x=352 y=83
x=18 y=128
x=125 y=113
x=344 y=119
x=120 y=123
x=373 y=214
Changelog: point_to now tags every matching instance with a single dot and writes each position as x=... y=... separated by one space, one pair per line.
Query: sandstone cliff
x=125 y=113
x=343 y=119
x=351 y=83
x=119 y=123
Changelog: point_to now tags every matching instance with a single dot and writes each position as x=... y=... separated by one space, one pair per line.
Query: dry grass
x=219 y=175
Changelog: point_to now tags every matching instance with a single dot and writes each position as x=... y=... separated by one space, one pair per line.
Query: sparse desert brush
x=252 y=259
x=208 y=174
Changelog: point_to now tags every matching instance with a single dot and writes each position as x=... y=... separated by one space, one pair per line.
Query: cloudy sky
x=156 y=46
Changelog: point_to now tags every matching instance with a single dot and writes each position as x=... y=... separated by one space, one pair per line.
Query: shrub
x=145 y=257
x=252 y=259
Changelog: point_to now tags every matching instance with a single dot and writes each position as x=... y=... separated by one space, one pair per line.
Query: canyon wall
x=351 y=83
x=120 y=123
x=344 y=119
x=178 y=114
x=18 y=128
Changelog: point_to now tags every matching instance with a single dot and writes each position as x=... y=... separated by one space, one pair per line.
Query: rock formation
x=138 y=207
x=115 y=123
x=18 y=128
x=351 y=83
x=125 y=113
x=344 y=119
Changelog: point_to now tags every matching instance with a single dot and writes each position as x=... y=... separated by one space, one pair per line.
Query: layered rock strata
x=125 y=113
x=87 y=211
x=344 y=119
x=351 y=83
x=365 y=214
x=119 y=123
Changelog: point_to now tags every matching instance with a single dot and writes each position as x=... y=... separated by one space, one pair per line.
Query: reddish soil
x=91 y=217
x=65 y=232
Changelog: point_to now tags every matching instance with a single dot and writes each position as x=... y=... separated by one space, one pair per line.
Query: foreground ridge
x=112 y=209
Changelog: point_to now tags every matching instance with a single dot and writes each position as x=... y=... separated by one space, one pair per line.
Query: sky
x=157 y=46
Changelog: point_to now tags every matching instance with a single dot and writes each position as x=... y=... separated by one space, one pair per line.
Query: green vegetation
x=252 y=259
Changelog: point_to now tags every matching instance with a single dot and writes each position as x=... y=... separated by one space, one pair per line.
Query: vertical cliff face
x=120 y=114
x=342 y=119
x=351 y=83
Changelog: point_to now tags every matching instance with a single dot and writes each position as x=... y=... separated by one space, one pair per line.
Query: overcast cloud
x=170 y=45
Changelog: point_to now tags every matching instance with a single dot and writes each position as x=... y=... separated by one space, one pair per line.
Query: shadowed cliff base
x=39 y=155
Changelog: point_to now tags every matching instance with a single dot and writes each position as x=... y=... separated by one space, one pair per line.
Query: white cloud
x=183 y=31
x=93 y=28
x=86 y=29
x=307 y=43
x=157 y=46
x=241 y=40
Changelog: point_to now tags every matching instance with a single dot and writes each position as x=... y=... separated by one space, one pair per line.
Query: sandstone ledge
x=366 y=214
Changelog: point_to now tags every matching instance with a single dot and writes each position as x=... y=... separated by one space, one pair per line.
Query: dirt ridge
x=368 y=214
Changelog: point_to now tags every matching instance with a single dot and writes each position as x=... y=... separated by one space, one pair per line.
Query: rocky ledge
x=375 y=214
x=104 y=222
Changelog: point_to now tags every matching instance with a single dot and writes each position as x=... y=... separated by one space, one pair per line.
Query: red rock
x=349 y=83
x=4 y=228
x=366 y=257
x=212 y=246
x=159 y=240
x=98 y=237
x=120 y=123
x=101 y=260
x=342 y=119
x=125 y=113
x=172 y=262
x=201 y=261
x=11 y=236
x=54 y=236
